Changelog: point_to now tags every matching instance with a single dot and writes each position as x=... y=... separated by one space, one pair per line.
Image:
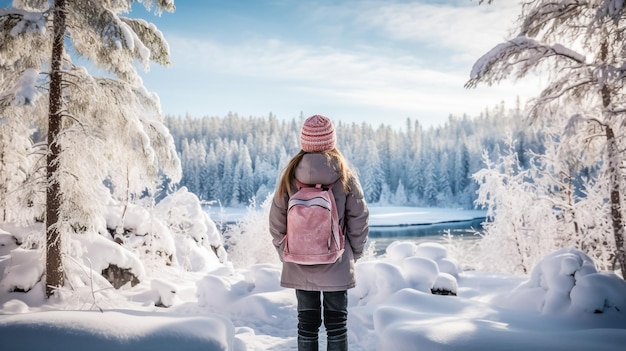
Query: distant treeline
x=233 y=159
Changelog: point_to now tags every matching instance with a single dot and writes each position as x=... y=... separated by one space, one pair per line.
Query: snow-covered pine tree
x=370 y=171
x=431 y=179
x=579 y=47
x=98 y=129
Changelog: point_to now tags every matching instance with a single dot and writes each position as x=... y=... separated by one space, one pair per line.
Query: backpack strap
x=301 y=185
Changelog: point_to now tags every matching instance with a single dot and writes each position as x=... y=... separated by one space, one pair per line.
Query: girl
x=319 y=162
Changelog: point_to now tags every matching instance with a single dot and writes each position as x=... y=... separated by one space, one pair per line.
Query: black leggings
x=335 y=313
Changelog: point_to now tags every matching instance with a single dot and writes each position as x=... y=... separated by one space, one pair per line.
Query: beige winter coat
x=314 y=169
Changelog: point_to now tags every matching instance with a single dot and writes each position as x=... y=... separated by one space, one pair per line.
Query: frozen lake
x=383 y=236
x=391 y=223
x=422 y=224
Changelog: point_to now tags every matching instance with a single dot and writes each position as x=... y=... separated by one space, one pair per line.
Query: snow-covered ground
x=564 y=304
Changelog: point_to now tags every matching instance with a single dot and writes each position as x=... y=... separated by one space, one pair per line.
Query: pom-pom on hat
x=318 y=134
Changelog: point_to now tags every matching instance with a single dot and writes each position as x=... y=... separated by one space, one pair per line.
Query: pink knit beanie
x=318 y=134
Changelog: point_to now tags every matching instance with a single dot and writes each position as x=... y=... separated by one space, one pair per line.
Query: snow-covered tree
x=578 y=47
x=379 y=162
x=400 y=198
x=244 y=171
x=371 y=172
x=539 y=213
x=431 y=190
x=99 y=129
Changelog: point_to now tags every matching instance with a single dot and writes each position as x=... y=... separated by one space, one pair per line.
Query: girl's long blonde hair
x=289 y=174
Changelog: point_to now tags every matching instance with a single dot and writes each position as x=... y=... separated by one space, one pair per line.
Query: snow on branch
x=544 y=15
x=24 y=92
x=523 y=52
x=575 y=87
x=152 y=38
x=167 y=5
x=114 y=43
x=22 y=21
x=21 y=31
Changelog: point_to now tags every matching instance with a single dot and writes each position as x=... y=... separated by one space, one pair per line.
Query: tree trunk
x=614 y=159
x=54 y=265
x=616 y=206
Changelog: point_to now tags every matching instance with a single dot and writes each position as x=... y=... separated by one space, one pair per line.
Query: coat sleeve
x=357 y=219
x=278 y=223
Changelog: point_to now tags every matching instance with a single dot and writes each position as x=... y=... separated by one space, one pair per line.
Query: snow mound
x=116 y=330
x=567 y=281
x=166 y=291
x=420 y=273
x=376 y=281
x=26 y=270
x=410 y=319
x=15 y=306
x=599 y=293
x=100 y=252
x=220 y=292
x=425 y=267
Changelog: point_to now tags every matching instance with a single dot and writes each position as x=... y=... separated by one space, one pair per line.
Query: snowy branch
x=114 y=43
x=162 y=5
x=543 y=14
x=522 y=51
x=19 y=22
x=152 y=38
x=24 y=91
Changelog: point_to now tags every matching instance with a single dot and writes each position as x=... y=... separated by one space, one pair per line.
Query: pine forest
x=232 y=160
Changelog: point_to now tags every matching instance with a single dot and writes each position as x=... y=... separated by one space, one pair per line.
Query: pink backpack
x=313 y=232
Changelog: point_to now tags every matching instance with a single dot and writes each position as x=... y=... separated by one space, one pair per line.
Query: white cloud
x=301 y=64
x=362 y=78
x=464 y=27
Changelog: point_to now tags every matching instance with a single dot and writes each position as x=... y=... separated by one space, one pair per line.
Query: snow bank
x=552 y=310
x=390 y=309
x=411 y=320
x=223 y=307
x=241 y=295
x=115 y=330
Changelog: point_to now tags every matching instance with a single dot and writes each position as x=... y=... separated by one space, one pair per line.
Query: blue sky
x=378 y=61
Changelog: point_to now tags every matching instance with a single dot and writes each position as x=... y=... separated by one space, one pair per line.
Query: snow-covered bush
x=135 y=228
x=425 y=267
x=198 y=242
x=131 y=242
x=538 y=210
x=567 y=281
x=249 y=241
